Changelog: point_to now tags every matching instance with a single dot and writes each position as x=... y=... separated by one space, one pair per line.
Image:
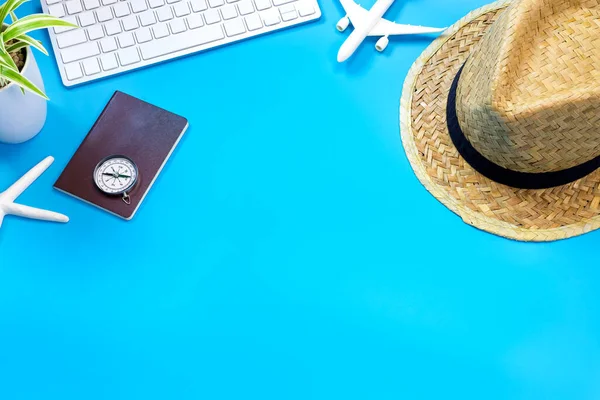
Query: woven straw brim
x=520 y=214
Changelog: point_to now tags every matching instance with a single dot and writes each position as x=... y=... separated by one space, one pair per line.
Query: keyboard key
x=95 y=32
x=271 y=18
x=113 y=27
x=73 y=71
x=139 y=6
x=262 y=4
x=130 y=23
x=74 y=6
x=195 y=21
x=125 y=40
x=104 y=14
x=164 y=14
x=121 y=9
x=235 y=27
x=212 y=16
x=254 y=22
x=184 y=41
x=147 y=18
x=287 y=8
x=160 y=31
x=178 y=26
x=143 y=35
x=108 y=44
x=87 y=19
x=109 y=2
x=281 y=2
x=49 y=2
x=56 y=10
x=290 y=15
x=198 y=5
x=109 y=61
x=61 y=29
x=91 y=66
x=232 y=1
x=156 y=3
x=91 y=4
x=181 y=9
x=79 y=52
x=228 y=11
x=128 y=56
x=173 y=1
x=216 y=3
x=71 y=38
x=245 y=7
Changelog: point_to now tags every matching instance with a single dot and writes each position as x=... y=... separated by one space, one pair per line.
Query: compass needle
x=116 y=175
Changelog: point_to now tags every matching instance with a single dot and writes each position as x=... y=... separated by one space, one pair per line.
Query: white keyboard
x=121 y=35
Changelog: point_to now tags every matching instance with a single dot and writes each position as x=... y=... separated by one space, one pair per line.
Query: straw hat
x=500 y=118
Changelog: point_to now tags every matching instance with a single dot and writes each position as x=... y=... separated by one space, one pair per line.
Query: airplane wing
x=385 y=27
x=358 y=15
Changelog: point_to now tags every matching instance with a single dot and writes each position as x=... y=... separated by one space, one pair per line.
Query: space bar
x=181 y=41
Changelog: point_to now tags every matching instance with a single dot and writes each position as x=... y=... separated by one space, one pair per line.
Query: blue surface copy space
x=286 y=251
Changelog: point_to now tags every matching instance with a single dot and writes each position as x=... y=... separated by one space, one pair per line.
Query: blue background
x=286 y=252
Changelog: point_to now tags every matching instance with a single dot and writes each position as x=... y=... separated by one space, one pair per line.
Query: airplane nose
x=342 y=55
x=348 y=47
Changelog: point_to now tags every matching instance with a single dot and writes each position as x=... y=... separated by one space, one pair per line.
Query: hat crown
x=528 y=98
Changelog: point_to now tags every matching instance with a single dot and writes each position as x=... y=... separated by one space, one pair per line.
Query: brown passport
x=132 y=128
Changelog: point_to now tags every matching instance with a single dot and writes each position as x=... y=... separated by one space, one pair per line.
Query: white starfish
x=7 y=198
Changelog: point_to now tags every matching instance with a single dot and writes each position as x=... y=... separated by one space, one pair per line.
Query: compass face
x=116 y=175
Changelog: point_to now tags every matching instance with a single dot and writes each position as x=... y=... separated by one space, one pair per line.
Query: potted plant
x=22 y=98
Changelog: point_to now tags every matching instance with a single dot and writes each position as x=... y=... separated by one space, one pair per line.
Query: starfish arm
x=23 y=183
x=34 y=213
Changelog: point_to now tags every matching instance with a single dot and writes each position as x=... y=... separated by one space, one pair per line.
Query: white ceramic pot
x=22 y=116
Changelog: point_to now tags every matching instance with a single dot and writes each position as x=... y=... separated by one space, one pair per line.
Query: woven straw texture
x=529 y=96
x=520 y=214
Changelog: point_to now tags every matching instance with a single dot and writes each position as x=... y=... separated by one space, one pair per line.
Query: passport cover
x=130 y=127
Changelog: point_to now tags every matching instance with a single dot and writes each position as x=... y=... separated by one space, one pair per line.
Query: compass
x=116 y=176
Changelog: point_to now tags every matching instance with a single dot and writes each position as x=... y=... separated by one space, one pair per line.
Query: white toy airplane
x=7 y=205
x=371 y=23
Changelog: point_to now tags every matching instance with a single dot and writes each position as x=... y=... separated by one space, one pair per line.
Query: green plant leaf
x=8 y=7
x=18 y=79
x=16 y=46
x=33 y=22
x=13 y=67
x=5 y=58
x=5 y=64
x=28 y=40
